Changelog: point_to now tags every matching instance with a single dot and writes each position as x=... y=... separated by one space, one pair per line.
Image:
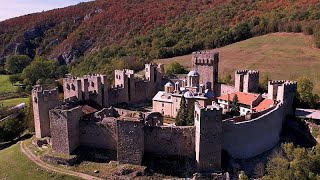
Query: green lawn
x=15 y=165
x=14 y=102
x=5 y=85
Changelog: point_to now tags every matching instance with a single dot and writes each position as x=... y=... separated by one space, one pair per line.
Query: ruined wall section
x=99 y=134
x=42 y=102
x=206 y=63
x=247 y=139
x=65 y=129
x=208 y=138
x=130 y=142
x=170 y=141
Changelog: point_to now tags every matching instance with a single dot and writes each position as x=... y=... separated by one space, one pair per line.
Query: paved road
x=308 y=113
x=39 y=162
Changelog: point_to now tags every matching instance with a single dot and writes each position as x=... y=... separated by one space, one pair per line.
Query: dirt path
x=25 y=150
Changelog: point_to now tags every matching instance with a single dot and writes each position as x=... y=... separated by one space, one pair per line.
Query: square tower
x=206 y=63
x=42 y=102
x=247 y=81
x=208 y=122
x=65 y=129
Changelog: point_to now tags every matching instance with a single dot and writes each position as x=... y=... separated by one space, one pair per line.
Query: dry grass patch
x=281 y=55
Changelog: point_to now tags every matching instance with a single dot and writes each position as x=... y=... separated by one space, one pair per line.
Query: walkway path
x=308 y=113
x=39 y=162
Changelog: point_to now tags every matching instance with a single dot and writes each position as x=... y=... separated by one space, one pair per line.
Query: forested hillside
x=94 y=34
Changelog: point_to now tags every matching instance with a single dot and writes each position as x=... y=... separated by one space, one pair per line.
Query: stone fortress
x=88 y=115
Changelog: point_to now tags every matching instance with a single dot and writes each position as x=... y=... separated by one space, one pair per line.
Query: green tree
x=29 y=121
x=264 y=83
x=227 y=79
x=40 y=68
x=182 y=116
x=16 y=63
x=305 y=88
x=234 y=106
x=11 y=129
x=243 y=176
x=14 y=78
x=190 y=119
x=175 y=68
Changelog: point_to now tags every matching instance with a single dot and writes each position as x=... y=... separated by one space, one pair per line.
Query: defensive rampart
x=99 y=134
x=175 y=141
x=246 y=139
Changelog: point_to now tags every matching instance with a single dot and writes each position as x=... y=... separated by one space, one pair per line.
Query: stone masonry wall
x=130 y=142
x=249 y=138
x=179 y=141
x=65 y=129
x=43 y=101
x=99 y=134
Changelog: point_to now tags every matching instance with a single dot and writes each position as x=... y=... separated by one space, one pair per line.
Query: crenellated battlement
x=39 y=93
x=247 y=71
x=205 y=58
x=277 y=82
x=42 y=101
x=283 y=82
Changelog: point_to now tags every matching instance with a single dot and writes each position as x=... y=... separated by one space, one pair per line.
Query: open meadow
x=281 y=55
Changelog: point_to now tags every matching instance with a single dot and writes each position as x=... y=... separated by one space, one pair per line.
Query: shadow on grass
x=5 y=145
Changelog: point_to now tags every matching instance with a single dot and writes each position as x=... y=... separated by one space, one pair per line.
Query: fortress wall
x=225 y=89
x=130 y=142
x=250 y=138
x=99 y=134
x=170 y=141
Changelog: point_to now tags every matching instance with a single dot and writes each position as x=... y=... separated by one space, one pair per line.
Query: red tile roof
x=244 y=98
x=265 y=104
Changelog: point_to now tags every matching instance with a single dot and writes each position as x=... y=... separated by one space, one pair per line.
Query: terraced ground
x=281 y=55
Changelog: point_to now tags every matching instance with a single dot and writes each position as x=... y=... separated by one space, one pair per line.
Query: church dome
x=169 y=84
x=209 y=93
x=188 y=94
x=193 y=73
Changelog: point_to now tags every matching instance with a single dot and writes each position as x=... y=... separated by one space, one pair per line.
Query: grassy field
x=281 y=55
x=5 y=85
x=15 y=165
x=14 y=102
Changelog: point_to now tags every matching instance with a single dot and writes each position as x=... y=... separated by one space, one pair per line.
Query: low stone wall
x=249 y=138
x=99 y=134
x=175 y=141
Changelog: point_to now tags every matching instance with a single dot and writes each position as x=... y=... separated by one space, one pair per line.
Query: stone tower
x=283 y=91
x=65 y=129
x=247 y=81
x=154 y=72
x=42 y=102
x=72 y=88
x=207 y=65
x=208 y=122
